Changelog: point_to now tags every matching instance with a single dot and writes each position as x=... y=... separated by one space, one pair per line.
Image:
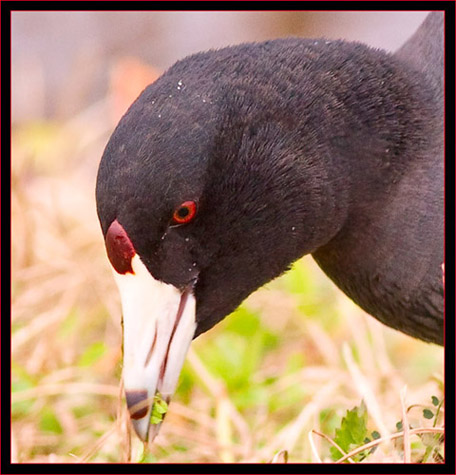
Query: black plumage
x=289 y=147
x=267 y=152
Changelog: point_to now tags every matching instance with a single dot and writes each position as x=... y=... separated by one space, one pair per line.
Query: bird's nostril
x=137 y=403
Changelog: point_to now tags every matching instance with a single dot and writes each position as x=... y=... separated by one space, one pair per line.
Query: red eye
x=185 y=213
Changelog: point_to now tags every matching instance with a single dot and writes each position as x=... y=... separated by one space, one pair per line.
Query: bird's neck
x=391 y=158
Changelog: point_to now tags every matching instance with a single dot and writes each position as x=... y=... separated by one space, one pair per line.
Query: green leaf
x=161 y=406
x=21 y=380
x=236 y=353
x=428 y=414
x=399 y=425
x=300 y=280
x=244 y=322
x=251 y=396
x=93 y=353
x=376 y=435
x=49 y=422
x=435 y=400
x=159 y=409
x=352 y=431
x=155 y=419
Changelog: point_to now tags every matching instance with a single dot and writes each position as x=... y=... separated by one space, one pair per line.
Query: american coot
x=238 y=161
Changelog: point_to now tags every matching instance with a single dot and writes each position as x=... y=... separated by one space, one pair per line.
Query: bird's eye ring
x=184 y=213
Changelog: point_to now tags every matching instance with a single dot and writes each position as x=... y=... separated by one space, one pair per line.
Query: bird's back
x=425 y=51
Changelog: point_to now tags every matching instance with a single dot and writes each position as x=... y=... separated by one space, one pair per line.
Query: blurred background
x=275 y=379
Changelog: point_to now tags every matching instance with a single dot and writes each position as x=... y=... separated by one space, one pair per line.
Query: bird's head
x=201 y=201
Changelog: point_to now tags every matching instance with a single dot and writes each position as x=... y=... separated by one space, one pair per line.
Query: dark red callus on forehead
x=119 y=248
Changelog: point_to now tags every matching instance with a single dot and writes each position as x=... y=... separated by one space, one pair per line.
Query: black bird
x=238 y=161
